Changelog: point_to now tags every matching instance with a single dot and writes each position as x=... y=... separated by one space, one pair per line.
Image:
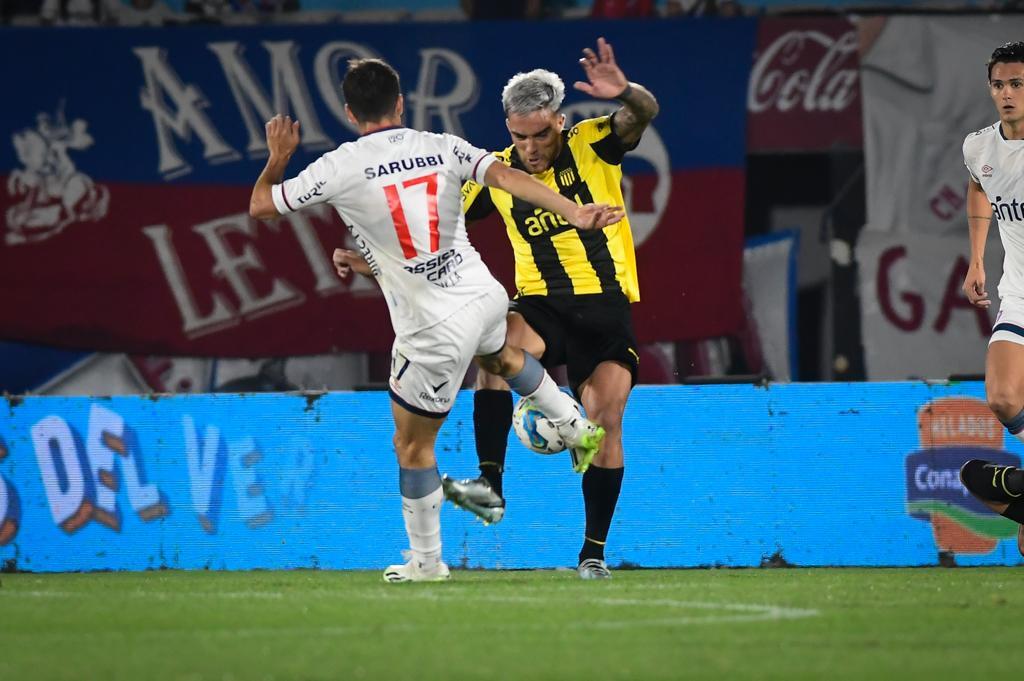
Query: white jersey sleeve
x=471 y=163
x=320 y=181
x=969 y=160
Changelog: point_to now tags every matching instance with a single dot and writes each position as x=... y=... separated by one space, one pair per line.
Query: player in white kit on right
x=399 y=192
x=995 y=159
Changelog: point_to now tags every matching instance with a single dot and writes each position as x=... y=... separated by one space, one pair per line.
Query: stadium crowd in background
x=175 y=12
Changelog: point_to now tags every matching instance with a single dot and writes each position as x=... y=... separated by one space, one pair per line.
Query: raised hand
x=605 y=78
x=597 y=216
x=282 y=136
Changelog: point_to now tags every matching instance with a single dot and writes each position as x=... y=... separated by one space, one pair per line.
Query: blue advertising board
x=822 y=474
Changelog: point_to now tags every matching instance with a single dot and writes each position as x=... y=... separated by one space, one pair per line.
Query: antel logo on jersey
x=952 y=431
x=805 y=69
x=1014 y=210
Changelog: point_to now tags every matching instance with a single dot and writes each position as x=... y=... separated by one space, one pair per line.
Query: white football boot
x=593 y=568
x=412 y=571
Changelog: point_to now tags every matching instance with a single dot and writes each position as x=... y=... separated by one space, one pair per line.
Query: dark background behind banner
x=99 y=283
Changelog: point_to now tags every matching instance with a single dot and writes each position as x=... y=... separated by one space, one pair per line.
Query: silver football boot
x=476 y=496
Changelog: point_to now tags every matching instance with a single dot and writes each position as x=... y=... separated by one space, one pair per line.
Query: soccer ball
x=535 y=430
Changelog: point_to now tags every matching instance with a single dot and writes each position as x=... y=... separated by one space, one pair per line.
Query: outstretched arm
x=979 y=215
x=282 y=140
x=519 y=184
x=607 y=81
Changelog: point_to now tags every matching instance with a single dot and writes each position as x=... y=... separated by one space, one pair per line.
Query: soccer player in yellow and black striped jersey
x=573 y=288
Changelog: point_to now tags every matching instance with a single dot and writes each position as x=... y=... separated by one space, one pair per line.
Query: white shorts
x=427 y=367
x=1009 y=324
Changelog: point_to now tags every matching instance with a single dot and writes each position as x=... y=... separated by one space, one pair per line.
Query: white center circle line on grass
x=730 y=612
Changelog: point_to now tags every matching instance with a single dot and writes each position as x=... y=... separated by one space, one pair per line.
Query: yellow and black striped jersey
x=552 y=257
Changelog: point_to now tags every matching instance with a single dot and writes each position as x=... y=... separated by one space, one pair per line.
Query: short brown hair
x=371 y=88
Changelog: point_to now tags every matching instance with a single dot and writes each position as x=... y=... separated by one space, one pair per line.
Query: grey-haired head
x=536 y=90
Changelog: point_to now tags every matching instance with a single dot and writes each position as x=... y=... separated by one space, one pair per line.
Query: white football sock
x=423 y=525
x=555 y=404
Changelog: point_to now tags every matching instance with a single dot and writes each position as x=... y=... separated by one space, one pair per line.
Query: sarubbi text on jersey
x=404 y=164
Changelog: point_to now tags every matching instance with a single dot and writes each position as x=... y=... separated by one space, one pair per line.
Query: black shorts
x=581 y=332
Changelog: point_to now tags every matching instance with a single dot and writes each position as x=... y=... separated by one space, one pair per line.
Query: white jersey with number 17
x=399 y=192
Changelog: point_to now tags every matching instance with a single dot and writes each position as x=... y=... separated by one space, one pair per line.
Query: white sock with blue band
x=534 y=382
x=421 y=507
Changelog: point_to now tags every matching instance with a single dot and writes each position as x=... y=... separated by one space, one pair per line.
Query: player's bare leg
x=519 y=369
x=604 y=395
x=483 y=496
x=492 y=405
x=999 y=487
x=1004 y=383
x=414 y=440
x=525 y=375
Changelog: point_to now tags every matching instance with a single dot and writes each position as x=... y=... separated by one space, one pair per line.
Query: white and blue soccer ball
x=534 y=429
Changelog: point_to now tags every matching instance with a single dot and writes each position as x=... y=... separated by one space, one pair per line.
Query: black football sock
x=1015 y=512
x=492 y=419
x=600 y=494
x=992 y=482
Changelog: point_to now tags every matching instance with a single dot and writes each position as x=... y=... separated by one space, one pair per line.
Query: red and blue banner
x=127 y=157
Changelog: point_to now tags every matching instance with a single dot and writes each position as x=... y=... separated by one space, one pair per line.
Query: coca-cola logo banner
x=124 y=219
x=804 y=89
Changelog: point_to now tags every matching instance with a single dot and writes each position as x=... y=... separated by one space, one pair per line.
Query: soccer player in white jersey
x=399 y=192
x=995 y=160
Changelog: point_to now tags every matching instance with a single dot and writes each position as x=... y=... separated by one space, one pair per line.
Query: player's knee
x=1004 y=403
x=608 y=415
x=408 y=450
x=487 y=380
x=401 y=444
x=489 y=364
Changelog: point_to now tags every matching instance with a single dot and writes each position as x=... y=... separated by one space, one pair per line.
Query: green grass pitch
x=648 y=624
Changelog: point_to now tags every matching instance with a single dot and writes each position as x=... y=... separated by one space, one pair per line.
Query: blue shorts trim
x=1012 y=328
x=416 y=410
